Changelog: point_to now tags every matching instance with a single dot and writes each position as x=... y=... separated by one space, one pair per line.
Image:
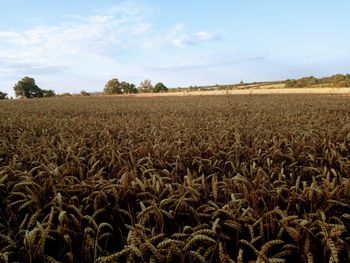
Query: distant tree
x=312 y=81
x=302 y=83
x=146 y=86
x=27 y=88
x=343 y=84
x=340 y=80
x=3 y=95
x=291 y=83
x=160 y=87
x=126 y=87
x=193 y=88
x=49 y=93
x=113 y=87
x=84 y=93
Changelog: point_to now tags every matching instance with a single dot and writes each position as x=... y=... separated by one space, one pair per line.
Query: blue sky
x=71 y=45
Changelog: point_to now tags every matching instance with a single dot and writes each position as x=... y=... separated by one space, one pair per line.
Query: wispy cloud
x=12 y=70
x=105 y=34
x=8 y=67
x=209 y=61
x=179 y=36
x=205 y=36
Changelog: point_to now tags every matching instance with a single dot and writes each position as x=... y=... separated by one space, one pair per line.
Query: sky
x=74 y=45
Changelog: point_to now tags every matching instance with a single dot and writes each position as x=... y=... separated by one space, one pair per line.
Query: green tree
x=128 y=87
x=3 y=95
x=146 y=86
x=49 y=93
x=113 y=87
x=160 y=87
x=26 y=87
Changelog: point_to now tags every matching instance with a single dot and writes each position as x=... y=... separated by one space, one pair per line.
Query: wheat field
x=261 y=178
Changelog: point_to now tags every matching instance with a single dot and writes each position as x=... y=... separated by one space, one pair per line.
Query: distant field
x=267 y=89
x=176 y=179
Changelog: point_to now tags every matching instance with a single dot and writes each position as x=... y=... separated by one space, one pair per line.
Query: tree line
x=338 y=80
x=27 y=88
x=113 y=86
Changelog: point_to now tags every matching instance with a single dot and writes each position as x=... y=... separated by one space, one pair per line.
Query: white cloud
x=109 y=33
x=126 y=8
x=80 y=36
x=12 y=37
x=178 y=36
x=204 y=36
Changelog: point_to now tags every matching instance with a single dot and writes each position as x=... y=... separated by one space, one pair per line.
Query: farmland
x=229 y=178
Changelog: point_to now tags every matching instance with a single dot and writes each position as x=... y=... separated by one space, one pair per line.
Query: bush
x=3 y=95
x=84 y=93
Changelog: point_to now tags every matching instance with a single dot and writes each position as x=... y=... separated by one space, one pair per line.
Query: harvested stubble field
x=267 y=89
x=175 y=179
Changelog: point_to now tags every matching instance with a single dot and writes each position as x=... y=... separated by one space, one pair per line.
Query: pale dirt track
x=344 y=91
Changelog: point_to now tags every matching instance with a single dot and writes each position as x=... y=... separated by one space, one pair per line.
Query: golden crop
x=175 y=179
